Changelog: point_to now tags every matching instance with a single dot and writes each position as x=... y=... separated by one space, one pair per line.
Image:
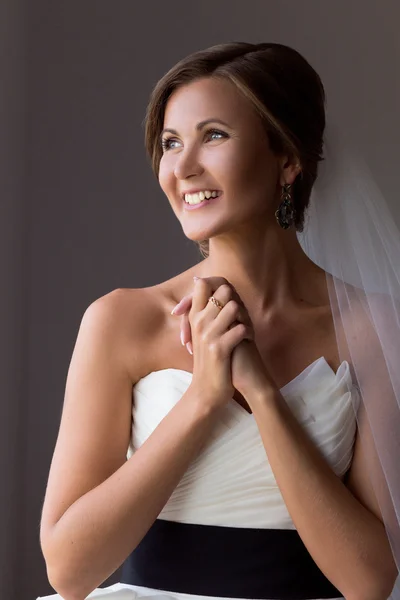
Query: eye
x=217 y=132
x=166 y=142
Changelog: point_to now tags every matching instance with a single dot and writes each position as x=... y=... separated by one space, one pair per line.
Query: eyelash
x=165 y=142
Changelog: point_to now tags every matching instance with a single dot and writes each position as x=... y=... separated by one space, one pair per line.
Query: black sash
x=226 y=561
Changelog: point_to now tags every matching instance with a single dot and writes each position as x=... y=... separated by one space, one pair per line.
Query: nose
x=187 y=164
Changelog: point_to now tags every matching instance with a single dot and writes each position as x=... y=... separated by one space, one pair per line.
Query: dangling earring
x=285 y=214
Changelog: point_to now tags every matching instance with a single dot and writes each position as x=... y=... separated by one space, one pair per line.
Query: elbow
x=66 y=587
x=385 y=581
x=60 y=577
x=68 y=581
x=378 y=587
x=388 y=583
x=62 y=583
x=54 y=571
x=370 y=595
x=63 y=588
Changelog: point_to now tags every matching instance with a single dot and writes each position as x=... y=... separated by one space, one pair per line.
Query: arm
x=345 y=538
x=98 y=506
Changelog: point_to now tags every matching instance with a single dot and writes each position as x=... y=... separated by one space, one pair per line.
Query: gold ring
x=216 y=302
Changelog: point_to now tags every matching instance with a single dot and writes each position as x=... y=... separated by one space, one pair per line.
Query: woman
x=245 y=475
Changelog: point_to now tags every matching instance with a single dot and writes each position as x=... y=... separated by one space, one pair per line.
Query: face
x=232 y=157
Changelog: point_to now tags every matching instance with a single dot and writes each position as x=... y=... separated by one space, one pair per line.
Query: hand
x=250 y=376
x=249 y=373
x=184 y=305
x=215 y=333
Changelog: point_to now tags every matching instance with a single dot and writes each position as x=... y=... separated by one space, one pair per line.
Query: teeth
x=200 y=196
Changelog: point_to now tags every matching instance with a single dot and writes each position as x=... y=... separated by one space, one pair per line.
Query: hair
x=285 y=90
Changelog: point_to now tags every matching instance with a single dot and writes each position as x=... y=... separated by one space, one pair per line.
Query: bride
x=216 y=451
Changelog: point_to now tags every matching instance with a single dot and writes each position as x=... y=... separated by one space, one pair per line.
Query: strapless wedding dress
x=225 y=531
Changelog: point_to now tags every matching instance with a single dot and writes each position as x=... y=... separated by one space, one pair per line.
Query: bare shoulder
x=136 y=316
x=145 y=324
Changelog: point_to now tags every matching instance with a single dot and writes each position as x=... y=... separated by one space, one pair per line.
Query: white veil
x=350 y=232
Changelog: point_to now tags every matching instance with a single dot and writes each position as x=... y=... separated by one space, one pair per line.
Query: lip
x=201 y=204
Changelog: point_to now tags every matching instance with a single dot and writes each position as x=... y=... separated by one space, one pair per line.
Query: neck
x=269 y=270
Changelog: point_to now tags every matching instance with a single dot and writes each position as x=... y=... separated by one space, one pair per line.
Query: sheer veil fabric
x=350 y=232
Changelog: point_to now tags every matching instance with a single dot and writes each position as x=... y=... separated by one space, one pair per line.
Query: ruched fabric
x=230 y=489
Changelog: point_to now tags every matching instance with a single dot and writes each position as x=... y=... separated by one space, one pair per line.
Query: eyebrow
x=199 y=126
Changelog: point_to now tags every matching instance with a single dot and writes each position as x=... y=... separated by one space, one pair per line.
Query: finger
x=216 y=281
x=242 y=315
x=201 y=292
x=227 y=318
x=186 y=302
x=234 y=335
x=221 y=297
x=183 y=305
x=213 y=283
x=186 y=331
x=216 y=319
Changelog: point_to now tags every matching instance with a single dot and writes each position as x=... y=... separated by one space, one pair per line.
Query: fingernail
x=196 y=278
x=189 y=347
x=182 y=340
x=176 y=307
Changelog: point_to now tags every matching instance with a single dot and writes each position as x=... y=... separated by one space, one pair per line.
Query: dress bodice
x=228 y=498
x=230 y=483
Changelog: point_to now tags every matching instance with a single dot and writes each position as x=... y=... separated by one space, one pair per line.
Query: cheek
x=164 y=175
x=228 y=167
x=242 y=170
x=252 y=176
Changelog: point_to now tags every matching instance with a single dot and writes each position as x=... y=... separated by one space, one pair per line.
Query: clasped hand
x=250 y=376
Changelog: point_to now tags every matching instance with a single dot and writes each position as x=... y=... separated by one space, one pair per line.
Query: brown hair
x=283 y=87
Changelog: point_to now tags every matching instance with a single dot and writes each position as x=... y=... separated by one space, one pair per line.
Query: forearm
x=347 y=542
x=98 y=532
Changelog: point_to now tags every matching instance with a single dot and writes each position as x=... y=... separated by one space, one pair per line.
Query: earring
x=285 y=214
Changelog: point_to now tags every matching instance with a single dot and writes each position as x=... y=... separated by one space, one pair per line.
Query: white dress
x=231 y=484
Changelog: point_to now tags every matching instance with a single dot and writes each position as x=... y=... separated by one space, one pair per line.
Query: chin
x=205 y=233
x=198 y=238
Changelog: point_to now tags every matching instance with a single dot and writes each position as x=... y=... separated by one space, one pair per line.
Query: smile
x=200 y=196
x=202 y=203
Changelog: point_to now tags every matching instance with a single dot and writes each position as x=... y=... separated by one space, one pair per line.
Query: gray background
x=81 y=213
